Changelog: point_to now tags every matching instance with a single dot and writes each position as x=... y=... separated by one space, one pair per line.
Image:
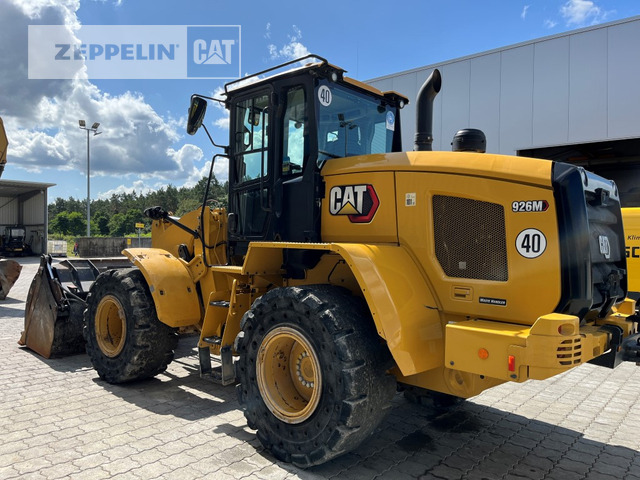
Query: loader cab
x=283 y=129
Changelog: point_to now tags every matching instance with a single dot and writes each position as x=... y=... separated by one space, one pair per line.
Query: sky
x=143 y=145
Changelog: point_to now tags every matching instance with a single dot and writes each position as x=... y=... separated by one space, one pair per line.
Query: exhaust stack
x=424 y=112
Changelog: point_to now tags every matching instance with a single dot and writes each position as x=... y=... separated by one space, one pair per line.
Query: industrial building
x=24 y=204
x=571 y=97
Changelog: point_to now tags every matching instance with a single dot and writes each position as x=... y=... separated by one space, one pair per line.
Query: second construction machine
x=345 y=267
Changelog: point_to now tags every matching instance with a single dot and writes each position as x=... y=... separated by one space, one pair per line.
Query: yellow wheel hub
x=111 y=326
x=289 y=376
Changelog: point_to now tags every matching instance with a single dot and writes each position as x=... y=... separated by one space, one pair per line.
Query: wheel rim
x=111 y=326
x=289 y=376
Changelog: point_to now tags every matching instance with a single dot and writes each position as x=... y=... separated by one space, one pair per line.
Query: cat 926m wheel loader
x=344 y=266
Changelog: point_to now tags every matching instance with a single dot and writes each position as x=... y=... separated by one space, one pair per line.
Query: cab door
x=250 y=172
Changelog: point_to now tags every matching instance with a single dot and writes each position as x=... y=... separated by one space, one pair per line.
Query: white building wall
x=624 y=79
x=582 y=86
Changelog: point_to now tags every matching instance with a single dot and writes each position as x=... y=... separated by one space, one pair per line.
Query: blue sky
x=143 y=145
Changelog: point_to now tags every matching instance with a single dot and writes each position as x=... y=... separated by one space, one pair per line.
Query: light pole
x=94 y=129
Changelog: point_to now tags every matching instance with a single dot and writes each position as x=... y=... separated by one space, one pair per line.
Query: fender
x=403 y=308
x=405 y=312
x=172 y=288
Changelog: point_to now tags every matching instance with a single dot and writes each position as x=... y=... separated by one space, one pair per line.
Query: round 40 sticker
x=324 y=95
x=531 y=243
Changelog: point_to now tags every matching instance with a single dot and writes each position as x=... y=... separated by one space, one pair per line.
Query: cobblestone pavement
x=58 y=420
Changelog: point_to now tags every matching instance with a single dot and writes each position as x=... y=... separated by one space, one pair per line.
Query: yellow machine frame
x=443 y=352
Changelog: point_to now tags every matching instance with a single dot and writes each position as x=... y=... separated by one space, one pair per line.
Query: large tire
x=125 y=339
x=312 y=373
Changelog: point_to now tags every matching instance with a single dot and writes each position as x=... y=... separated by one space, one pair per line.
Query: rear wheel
x=312 y=373
x=125 y=339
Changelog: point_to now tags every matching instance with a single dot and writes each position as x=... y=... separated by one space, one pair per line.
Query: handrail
x=311 y=55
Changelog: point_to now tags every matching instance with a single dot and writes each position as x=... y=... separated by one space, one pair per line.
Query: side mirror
x=197 y=110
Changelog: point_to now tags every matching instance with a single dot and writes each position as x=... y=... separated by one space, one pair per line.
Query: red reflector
x=512 y=363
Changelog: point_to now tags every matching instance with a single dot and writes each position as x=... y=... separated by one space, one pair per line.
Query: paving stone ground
x=59 y=420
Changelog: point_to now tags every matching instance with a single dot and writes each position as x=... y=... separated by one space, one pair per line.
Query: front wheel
x=312 y=373
x=125 y=340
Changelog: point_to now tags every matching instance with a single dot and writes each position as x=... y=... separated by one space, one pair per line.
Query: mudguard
x=172 y=288
x=403 y=308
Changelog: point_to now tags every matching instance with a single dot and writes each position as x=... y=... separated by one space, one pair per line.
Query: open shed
x=24 y=204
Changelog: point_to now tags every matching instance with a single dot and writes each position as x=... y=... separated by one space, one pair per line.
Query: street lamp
x=94 y=129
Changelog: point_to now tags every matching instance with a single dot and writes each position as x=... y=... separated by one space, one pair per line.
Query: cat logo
x=359 y=202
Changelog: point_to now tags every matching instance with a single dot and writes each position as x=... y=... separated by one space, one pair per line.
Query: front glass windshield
x=352 y=123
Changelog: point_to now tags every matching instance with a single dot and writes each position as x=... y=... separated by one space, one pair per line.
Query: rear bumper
x=554 y=344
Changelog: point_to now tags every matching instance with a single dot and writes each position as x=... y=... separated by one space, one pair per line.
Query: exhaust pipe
x=424 y=112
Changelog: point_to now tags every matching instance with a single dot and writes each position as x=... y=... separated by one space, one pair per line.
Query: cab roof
x=324 y=68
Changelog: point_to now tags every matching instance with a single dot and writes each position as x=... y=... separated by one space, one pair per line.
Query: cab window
x=352 y=123
x=295 y=127
x=251 y=142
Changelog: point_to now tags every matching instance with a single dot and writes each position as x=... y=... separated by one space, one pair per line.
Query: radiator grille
x=469 y=238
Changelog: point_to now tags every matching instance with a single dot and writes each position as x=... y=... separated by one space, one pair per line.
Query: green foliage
x=77 y=224
x=118 y=215
x=66 y=223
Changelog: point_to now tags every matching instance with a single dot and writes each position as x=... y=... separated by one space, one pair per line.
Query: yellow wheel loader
x=345 y=268
x=9 y=269
x=4 y=143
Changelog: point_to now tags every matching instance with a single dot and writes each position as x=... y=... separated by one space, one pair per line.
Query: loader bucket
x=55 y=305
x=9 y=273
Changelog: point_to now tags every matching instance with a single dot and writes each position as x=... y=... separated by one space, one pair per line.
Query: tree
x=77 y=224
x=60 y=224
x=118 y=214
x=101 y=222
x=117 y=225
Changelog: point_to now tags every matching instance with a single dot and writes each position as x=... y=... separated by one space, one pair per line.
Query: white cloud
x=550 y=23
x=186 y=157
x=291 y=50
x=582 y=12
x=523 y=15
x=222 y=123
x=41 y=116
x=138 y=186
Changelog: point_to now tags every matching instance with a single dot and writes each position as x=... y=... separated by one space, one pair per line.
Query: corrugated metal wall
x=578 y=87
x=9 y=211
x=28 y=209
x=33 y=211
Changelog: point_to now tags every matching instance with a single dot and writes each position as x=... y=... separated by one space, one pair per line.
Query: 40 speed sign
x=531 y=243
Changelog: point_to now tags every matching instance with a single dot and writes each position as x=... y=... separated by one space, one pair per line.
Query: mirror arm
x=209 y=98
x=223 y=147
